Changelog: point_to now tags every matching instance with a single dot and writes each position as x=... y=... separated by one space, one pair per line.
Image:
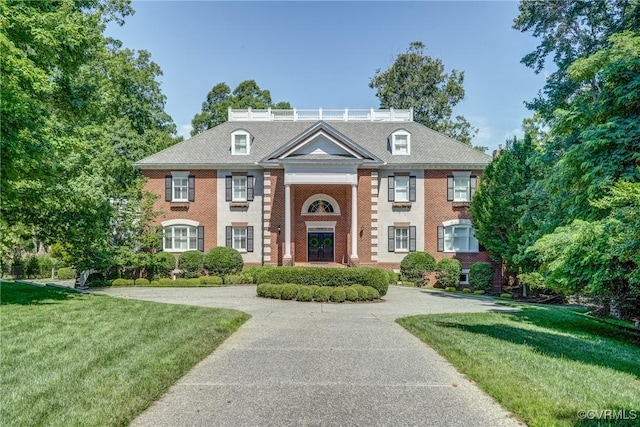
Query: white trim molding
x=170 y=222
x=456 y=222
x=307 y=203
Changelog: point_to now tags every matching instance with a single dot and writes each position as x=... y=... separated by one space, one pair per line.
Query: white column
x=287 y=224
x=354 y=222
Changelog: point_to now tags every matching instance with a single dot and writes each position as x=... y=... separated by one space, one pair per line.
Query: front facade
x=284 y=187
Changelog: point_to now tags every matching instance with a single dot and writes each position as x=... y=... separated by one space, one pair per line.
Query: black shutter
x=412 y=188
x=392 y=239
x=250 y=239
x=227 y=186
x=473 y=183
x=450 y=188
x=412 y=239
x=201 y=238
x=160 y=234
x=168 y=186
x=392 y=188
x=192 y=188
x=250 y=189
x=229 y=237
x=440 y=238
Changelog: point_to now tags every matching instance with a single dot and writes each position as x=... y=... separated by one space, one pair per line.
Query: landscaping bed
x=78 y=359
x=308 y=293
x=545 y=364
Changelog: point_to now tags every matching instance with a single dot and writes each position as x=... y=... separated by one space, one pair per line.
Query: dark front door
x=320 y=247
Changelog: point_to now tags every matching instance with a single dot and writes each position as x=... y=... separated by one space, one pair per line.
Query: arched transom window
x=320 y=206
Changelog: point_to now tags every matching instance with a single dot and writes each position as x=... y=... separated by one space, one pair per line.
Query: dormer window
x=240 y=142
x=401 y=143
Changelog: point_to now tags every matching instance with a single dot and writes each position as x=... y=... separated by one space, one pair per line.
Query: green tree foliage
x=77 y=111
x=220 y=98
x=497 y=204
x=415 y=80
x=569 y=30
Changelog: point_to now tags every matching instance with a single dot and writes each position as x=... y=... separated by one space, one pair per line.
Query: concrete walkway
x=311 y=364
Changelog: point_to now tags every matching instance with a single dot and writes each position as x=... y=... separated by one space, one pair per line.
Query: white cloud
x=185 y=130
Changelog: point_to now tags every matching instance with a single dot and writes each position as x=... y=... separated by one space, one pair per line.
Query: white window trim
x=459 y=222
x=307 y=203
x=395 y=188
x=393 y=142
x=180 y=175
x=233 y=188
x=395 y=239
x=462 y=174
x=233 y=142
x=191 y=225
x=465 y=271
x=233 y=239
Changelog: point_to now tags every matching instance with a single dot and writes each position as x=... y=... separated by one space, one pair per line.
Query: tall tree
x=220 y=98
x=568 y=30
x=415 y=80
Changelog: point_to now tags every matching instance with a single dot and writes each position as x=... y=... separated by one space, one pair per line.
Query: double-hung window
x=457 y=238
x=179 y=238
x=240 y=238
x=180 y=187
x=240 y=142
x=402 y=238
x=401 y=143
x=461 y=186
x=239 y=188
x=402 y=188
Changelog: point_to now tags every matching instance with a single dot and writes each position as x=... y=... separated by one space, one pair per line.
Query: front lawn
x=545 y=364
x=74 y=359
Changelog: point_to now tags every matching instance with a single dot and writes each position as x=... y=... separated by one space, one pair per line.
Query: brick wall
x=203 y=209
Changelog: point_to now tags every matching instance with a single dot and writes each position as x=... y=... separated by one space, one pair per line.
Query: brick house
x=357 y=187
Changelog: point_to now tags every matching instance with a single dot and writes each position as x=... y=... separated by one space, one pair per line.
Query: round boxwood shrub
x=288 y=291
x=414 y=265
x=338 y=295
x=480 y=276
x=165 y=282
x=450 y=289
x=506 y=296
x=478 y=292
x=222 y=261
x=67 y=273
x=122 y=282
x=363 y=294
x=322 y=294
x=276 y=291
x=372 y=293
x=191 y=264
x=350 y=294
x=466 y=290
x=305 y=293
x=448 y=272
x=164 y=263
x=154 y=283
x=142 y=282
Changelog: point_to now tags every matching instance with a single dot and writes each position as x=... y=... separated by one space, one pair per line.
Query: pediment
x=321 y=142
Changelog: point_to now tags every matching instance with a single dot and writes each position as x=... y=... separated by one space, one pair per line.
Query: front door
x=320 y=247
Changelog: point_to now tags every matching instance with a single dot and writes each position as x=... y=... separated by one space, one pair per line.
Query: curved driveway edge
x=300 y=364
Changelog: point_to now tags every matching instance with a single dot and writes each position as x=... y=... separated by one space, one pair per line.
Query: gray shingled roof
x=213 y=147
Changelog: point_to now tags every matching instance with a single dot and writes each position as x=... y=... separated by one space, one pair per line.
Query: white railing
x=295 y=115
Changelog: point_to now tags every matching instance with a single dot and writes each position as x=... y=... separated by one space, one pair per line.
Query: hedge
x=330 y=277
x=289 y=291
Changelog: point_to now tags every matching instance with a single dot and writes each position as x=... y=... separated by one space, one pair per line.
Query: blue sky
x=323 y=54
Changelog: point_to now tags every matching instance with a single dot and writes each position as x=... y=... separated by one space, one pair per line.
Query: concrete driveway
x=311 y=364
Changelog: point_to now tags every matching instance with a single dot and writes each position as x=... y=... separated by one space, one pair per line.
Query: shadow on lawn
x=19 y=293
x=586 y=347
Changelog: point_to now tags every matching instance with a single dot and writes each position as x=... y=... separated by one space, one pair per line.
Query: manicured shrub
x=338 y=295
x=372 y=293
x=67 y=273
x=363 y=294
x=393 y=277
x=305 y=293
x=191 y=264
x=478 y=292
x=261 y=289
x=289 y=291
x=350 y=294
x=164 y=263
x=222 y=261
x=450 y=289
x=122 y=282
x=166 y=282
x=313 y=289
x=154 y=283
x=322 y=294
x=414 y=265
x=466 y=290
x=506 y=296
x=142 y=282
x=255 y=270
x=276 y=291
x=211 y=280
x=238 y=279
x=448 y=272
x=374 y=277
x=481 y=275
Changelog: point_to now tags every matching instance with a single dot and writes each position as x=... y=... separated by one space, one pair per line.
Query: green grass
x=74 y=359
x=542 y=363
